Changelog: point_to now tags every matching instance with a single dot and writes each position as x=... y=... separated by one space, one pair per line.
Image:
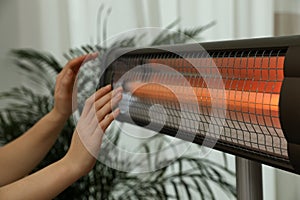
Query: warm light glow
x=252 y=86
x=251 y=93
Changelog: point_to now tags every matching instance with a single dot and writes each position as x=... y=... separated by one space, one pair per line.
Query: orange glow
x=252 y=86
x=243 y=106
x=257 y=74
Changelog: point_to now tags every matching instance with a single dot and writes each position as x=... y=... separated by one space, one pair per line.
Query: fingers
x=105 y=109
x=101 y=92
x=97 y=116
x=74 y=66
x=66 y=78
x=106 y=98
x=91 y=56
x=89 y=104
x=99 y=113
x=76 y=63
x=108 y=119
x=93 y=123
x=101 y=127
x=67 y=83
x=108 y=107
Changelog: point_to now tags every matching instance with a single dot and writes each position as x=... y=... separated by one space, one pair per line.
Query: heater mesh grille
x=252 y=81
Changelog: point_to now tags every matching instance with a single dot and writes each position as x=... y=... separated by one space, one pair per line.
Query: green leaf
x=199 y=189
x=187 y=190
x=175 y=189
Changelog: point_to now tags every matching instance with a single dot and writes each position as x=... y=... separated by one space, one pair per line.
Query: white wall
x=37 y=24
x=9 y=23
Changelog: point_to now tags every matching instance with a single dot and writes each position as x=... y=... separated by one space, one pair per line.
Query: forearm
x=19 y=157
x=44 y=184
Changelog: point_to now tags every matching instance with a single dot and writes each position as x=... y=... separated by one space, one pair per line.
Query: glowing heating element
x=259 y=78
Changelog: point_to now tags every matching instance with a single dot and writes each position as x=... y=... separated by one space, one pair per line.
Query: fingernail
x=108 y=86
x=115 y=91
x=119 y=95
x=69 y=72
x=117 y=111
x=119 y=89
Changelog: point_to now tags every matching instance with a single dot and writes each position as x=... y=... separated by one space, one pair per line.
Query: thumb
x=67 y=82
x=74 y=95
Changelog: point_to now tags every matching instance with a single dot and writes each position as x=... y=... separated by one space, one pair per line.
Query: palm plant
x=27 y=105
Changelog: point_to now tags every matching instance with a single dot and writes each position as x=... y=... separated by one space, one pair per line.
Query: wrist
x=76 y=168
x=72 y=168
x=57 y=116
x=79 y=157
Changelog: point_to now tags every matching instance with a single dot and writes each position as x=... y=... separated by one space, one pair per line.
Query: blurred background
x=57 y=25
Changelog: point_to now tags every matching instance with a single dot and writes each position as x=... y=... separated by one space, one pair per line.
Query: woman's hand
x=64 y=86
x=96 y=116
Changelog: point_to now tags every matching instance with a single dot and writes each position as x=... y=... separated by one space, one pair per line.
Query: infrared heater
x=256 y=109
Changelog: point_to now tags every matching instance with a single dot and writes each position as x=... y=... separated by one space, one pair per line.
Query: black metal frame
x=289 y=104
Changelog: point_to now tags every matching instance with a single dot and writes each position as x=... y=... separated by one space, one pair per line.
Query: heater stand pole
x=248 y=179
